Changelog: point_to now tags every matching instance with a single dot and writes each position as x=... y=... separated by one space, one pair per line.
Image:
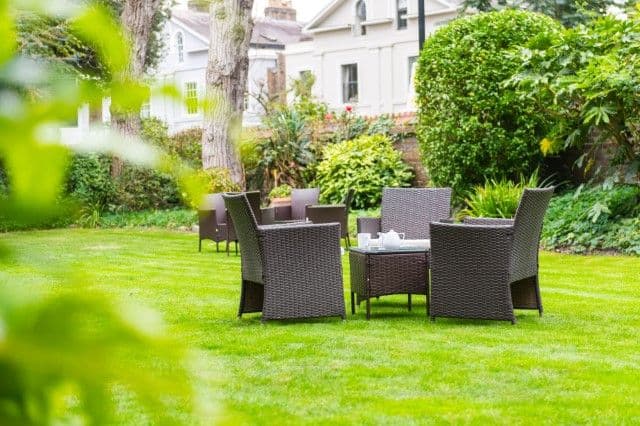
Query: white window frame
x=410 y=61
x=344 y=71
x=402 y=17
x=191 y=95
x=180 y=46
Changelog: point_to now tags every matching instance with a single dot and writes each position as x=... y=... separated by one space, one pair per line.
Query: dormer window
x=361 y=17
x=401 y=17
x=180 y=47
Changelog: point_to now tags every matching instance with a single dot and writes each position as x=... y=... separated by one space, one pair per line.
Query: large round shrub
x=471 y=126
x=367 y=164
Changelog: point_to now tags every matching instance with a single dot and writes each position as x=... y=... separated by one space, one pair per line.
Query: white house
x=184 y=64
x=362 y=51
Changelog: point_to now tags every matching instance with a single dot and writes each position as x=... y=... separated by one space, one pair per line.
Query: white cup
x=363 y=240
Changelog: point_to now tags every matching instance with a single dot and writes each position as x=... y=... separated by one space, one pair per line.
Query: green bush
x=281 y=191
x=139 y=188
x=497 y=199
x=367 y=164
x=187 y=145
x=471 y=126
x=171 y=219
x=594 y=219
x=89 y=181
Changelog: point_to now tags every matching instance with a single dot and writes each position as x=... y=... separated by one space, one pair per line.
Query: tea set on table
x=390 y=240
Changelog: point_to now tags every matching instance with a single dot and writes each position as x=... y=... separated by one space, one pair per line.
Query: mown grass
x=576 y=364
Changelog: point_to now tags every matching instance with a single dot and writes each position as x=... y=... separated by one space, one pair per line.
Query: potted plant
x=280 y=195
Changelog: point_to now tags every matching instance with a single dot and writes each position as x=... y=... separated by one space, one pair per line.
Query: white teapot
x=391 y=240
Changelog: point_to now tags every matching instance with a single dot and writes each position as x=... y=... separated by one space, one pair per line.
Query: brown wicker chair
x=333 y=213
x=212 y=221
x=300 y=199
x=484 y=268
x=288 y=271
x=409 y=210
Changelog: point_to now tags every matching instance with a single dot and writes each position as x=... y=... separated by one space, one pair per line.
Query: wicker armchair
x=484 y=268
x=409 y=210
x=288 y=271
x=333 y=213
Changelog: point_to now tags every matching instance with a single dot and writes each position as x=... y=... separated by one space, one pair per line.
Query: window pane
x=180 y=47
x=350 y=83
x=401 y=17
x=191 y=97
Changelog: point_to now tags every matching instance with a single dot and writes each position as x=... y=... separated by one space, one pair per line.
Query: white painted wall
x=382 y=54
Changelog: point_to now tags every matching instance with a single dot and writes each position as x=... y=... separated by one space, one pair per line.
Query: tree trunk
x=137 y=20
x=227 y=68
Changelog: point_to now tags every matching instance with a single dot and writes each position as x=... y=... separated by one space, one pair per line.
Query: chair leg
x=242 y=296
x=540 y=309
x=353 y=305
x=227 y=247
x=236 y=244
x=368 y=309
x=409 y=301
x=199 y=245
x=348 y=241
x=217 y=247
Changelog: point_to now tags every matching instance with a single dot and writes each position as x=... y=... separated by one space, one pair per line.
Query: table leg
x=353 y=305
x=409 y=301
x=368 y=309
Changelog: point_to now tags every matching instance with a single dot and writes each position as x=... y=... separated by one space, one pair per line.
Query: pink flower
x=328 y=117
x=348 y=108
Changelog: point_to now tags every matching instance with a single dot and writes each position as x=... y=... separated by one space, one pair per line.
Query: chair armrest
x=487 y=221
x=371 y=225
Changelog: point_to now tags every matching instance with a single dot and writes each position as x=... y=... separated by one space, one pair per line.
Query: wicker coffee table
x=379 y=272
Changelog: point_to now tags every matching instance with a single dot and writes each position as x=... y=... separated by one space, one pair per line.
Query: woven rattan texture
x=486 y=267
x=299 y=266
x=410 y=210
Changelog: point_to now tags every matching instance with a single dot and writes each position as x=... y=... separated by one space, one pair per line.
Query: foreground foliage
x=65 y=354
x=594 y=219
x=472 y=127
x=575 y=364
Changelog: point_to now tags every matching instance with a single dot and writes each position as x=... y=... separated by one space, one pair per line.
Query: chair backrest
x=527 y=228
x=246 y=228
x=217 y=202
x=300 y=199
x=411 y=210
x=348 y=199
x=254 y=202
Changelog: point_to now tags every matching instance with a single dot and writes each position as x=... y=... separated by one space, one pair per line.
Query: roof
x=267 y=32
x=333 y=5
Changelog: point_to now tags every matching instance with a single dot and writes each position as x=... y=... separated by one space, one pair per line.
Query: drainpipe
x=421 y=29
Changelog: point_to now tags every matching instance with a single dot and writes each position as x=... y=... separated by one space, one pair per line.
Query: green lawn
x=579 y=363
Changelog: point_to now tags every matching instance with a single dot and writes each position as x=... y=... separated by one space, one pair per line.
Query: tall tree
x=138 y=19
x=231 y=26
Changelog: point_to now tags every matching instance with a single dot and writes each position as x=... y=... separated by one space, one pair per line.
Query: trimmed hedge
x=471 y=126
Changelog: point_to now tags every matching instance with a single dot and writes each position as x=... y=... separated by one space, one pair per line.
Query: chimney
x=280 y=10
